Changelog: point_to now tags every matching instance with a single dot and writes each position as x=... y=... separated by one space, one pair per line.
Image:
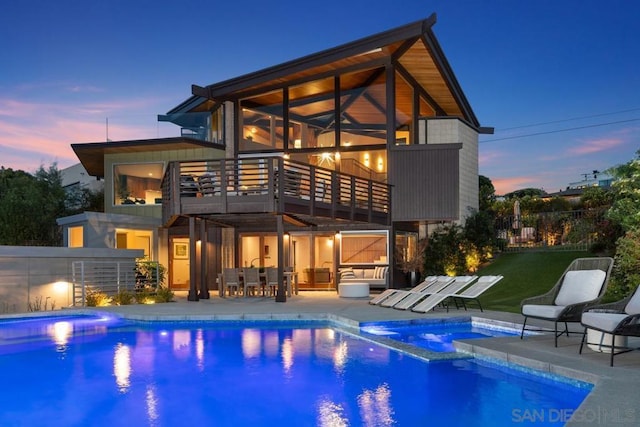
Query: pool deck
x=614 y=401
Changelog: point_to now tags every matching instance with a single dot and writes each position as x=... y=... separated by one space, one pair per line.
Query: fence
x=566 y=230
x=108 y=277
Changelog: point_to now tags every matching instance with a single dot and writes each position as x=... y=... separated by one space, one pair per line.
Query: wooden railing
x=256 y=185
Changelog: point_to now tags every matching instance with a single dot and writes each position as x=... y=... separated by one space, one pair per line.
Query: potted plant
x=412 y=262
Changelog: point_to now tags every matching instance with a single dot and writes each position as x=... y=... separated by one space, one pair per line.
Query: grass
x=525 y=274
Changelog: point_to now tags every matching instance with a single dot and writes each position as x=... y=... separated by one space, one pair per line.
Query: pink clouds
x=596 y=146
x=34 y=133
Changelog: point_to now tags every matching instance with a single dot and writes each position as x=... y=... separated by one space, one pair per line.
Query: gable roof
x=413 y=48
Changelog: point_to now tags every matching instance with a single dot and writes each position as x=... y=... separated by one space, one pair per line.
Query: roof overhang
x=91 y=154
x=413 y=47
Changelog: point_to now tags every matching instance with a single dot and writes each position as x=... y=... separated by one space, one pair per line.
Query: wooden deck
x=227 y=189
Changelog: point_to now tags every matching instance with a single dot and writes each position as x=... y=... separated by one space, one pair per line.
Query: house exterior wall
x=154 y=211
x=78 y=175
x=29 y=273
x=99 y=229
x=425 y=182
x=451 y=130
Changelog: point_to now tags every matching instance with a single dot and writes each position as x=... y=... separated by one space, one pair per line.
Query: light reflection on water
x=169 y=374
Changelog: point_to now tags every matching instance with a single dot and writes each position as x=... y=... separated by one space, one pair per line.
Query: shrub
x=164 y=294
x=95 y=298
x=123 y=297
x=144 y=296
x=445 y=254
x=625 y=276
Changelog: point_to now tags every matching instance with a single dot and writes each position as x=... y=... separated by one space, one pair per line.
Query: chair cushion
x=602 y=321
x=580 y=286
x=540 y=310
x=633 y=306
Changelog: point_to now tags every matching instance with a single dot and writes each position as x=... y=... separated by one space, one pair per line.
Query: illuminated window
x=137 y=184
x=75 y=237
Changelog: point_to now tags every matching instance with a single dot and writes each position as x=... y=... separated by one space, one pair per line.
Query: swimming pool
x=109 y=372
x=437 y=336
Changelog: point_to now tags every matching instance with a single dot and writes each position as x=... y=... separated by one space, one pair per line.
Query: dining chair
x=271 y=282
x=251 y=281
x=230 y=281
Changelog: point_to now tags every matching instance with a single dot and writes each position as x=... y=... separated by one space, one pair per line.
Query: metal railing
x=108 y=277
x=225 y=178
x=565 y=230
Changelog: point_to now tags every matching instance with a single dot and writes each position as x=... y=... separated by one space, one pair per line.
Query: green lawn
x=525 y=274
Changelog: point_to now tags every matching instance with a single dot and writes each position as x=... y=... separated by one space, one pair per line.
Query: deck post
x=281 y=293
x=193 y=290
x=204 y=290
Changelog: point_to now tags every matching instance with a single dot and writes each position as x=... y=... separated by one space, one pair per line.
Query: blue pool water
x=107 y=372
x=435 y=336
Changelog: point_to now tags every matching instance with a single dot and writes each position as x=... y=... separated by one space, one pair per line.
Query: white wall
x=28 y=273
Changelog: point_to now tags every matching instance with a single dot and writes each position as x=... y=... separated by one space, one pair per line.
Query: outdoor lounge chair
x=456 y=285
x=440 y=283
x=619 y=319
x=581 y=285
x=389 y=292
x=472 y=293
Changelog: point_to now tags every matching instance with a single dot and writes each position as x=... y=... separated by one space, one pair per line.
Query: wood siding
x=425 y=182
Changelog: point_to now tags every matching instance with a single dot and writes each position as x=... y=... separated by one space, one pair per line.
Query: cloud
x=507 y=185
x=491 y=157
x=32 y=133
x=595 y=146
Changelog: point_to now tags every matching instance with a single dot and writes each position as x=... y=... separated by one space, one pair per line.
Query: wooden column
x=204 y=278
x=193 y=290
x=281 y=294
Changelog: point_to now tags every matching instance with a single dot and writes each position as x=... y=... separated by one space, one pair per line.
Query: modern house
x=341 y=158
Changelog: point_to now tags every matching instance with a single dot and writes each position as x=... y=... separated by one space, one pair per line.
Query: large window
x=364 y=247
x=404 y=111
x=312 y=114
x=137 y=183
x=363 y=111
x=262 y=125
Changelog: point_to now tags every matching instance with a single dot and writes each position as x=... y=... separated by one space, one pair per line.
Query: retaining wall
x=42 y=276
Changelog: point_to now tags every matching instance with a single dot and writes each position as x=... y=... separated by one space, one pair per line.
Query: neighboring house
x=340 y=158
x=573 y=192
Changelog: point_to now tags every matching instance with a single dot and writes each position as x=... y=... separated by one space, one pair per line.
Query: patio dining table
x=290 y=281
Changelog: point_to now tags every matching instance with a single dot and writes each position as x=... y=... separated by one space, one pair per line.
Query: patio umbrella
x=516 y=215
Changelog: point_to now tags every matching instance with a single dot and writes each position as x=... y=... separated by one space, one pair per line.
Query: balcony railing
x=254 y=185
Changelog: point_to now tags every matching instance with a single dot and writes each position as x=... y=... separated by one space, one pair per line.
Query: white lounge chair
x=582 y=285
x=619 y=319
x=440 y=283
x=472 y=293
x=455 y=286
x=389 y=292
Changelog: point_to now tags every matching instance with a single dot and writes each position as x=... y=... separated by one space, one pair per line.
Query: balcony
x=238 y=191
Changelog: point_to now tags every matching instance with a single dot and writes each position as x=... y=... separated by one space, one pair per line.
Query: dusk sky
x=558 y=80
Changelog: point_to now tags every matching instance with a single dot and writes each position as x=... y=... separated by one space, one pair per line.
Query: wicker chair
x=252 y=282
x=580 y=287
x=619 y=319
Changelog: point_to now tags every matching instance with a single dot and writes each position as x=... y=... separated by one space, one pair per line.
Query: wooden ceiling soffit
x=420 y=65
x=437 y=55
x=289 y=219
x=423 y=93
